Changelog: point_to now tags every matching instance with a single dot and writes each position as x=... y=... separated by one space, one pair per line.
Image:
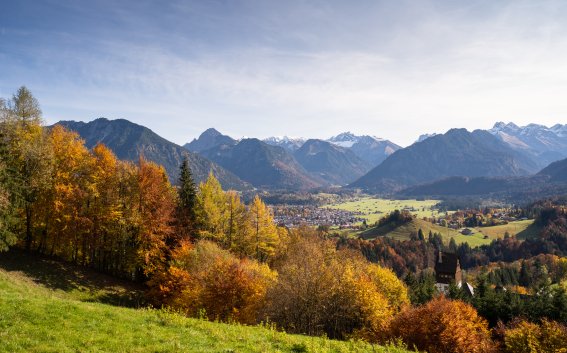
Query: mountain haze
x=545 y=144
x=336 y=165
x=557 y=171
x=371 y=149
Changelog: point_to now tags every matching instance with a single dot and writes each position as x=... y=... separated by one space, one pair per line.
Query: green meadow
x=46 y=306
x=373 y=209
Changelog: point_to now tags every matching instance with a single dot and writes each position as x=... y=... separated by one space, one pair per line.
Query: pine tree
x=186 y=202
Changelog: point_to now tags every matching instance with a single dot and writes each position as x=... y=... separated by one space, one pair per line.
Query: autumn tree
x=204 y=279
x=525 y=337
x=324 y=291
x=238 y=229
x=26 y=155
x=264 y=230
x=155 y=207
x=63 y=210
x=211 y=210
x=443 y=326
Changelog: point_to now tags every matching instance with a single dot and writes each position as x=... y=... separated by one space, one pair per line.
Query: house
x=447 y=271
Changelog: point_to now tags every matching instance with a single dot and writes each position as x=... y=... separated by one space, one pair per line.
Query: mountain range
x=506 y=157
x=264 y=166
x=129 y=141
x=545 y=144
x=455 y=153
x=550 y=180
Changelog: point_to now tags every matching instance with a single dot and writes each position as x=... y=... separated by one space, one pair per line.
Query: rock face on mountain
x=547 y=145
x=455 y=153
x=336 y=165
x=557 y=171
x=371 y=149
x=289 y=143
x=208 y=139
x=129 y=141
x=263 y=165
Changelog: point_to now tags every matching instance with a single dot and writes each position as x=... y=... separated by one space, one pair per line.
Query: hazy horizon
x=395 y=70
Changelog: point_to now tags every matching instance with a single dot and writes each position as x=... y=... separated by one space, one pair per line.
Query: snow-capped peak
x=425 y=137
x=289 y=143
x=348 y=139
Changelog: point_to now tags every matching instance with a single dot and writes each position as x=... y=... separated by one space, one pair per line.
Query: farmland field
x=372 y=209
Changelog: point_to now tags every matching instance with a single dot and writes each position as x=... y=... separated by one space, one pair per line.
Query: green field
x=373 y=209
x=404 y=231
x=41 y=311
x=522 y=229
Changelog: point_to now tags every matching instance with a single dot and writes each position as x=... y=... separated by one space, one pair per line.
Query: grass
x=39 y=313
x=522 y=229
x=403 y=233
x=373 y=209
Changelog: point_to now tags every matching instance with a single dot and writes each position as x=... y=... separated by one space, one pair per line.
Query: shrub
x=207 y=279
x=527 y=337
x=443 y=326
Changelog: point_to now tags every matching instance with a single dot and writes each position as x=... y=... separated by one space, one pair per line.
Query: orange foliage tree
x=204 y=279
x=443 y=326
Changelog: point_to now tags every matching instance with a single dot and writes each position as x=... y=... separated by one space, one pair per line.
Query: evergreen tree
x=186 y=202
x=453 y=245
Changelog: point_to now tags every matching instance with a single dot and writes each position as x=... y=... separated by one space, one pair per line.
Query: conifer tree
x=186 y=202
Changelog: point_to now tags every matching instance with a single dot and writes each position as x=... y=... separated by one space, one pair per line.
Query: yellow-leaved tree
x=265 y=234
x=211 y=210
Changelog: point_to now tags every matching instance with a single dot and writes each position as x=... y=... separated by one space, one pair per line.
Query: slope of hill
x=263 y=165
x=36 y=317
x=557 y=171
x=128 y=141
x=403 y=232
x=334 y=164
x=371 y=149
x=455 y=153
x=208 y=139
x=546 y=144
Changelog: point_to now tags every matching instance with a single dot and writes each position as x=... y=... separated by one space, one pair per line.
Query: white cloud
x=439 y=67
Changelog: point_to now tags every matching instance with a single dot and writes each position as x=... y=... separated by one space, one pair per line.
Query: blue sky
x=394 y=69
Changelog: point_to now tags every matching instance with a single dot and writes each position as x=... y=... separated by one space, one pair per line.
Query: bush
x=443 y=326
x=205 y=279
x=526 y=337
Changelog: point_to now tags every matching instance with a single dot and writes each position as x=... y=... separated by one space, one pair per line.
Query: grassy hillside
x=43 y=312
x=403 y=232
x=521 y=229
